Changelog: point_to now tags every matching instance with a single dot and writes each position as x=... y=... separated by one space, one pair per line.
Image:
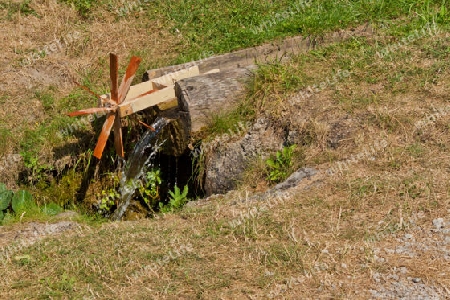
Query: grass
x=222 y=27
x=328 y=234
x=11 y=8
x=235 y=22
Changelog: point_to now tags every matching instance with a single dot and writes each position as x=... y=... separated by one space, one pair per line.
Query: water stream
x=137 y=164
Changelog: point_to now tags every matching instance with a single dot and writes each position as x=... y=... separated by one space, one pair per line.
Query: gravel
x=419 y=241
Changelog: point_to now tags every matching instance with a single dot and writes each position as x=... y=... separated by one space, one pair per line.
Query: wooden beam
x=157 y=98
x=265 y=53
x=165 y=80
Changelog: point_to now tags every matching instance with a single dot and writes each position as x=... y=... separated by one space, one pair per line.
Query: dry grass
x=83 y=59
x=318 y=240
x=330 y=236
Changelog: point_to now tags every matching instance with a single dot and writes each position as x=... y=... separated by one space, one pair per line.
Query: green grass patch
x=223 y=26
x=12 y=8
x=21 y=206
x=83 y=7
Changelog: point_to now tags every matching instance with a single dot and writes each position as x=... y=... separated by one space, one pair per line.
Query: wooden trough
x=191 y=93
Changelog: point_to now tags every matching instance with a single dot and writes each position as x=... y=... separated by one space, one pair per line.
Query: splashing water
x=137 y=164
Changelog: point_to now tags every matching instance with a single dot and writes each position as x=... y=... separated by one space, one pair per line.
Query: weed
x=51 y=209
x=5 y=137
x=279 y=165
x=15 y=205
x=47 y=100
x=23 y=8
x=83 y=7
x=107 y=199
x=149 y=190
x=416 y=150
x=177 y=200
x=410 y=189
x=35 y=168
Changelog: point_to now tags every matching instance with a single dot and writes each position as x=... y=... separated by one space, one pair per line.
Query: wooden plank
x=239 y=59
x=166 y=105
x=166 y=80
x=158 y=97
x=165 y=100
x=170 y=78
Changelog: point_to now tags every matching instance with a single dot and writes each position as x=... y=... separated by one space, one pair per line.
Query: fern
x=177 y=200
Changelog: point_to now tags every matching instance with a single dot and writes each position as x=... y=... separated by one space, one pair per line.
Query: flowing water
x=137 y=164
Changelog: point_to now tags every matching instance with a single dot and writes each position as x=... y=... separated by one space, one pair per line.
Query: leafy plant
x=279 y=165
x=52 y=209
x=177 y=200
x=22 y=201
x=36 y=170
x=82 y=6
x=149 y=190
x=5 y=197
x=107 y=200
x=18 y=203
x=13 y=206
x=23 y=7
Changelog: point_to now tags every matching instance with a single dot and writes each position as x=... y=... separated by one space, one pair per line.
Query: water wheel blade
x=114 y=76
x=89 y=111
x=106 y=130
x=118 y=145
x=128 y=78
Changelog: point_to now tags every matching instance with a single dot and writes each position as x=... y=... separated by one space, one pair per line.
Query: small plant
x=279 y=165
x=149 y=190
x=177 y=200
x=22 y=201
x=5 y=199
x=23 y=8
x=36 y=171
x=17 y=203
x=51 y=209
x=82 y=6
x=107 y=200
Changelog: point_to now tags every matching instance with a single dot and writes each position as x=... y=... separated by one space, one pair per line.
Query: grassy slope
x=179 y=31
x=349 y=215
x=162 y=33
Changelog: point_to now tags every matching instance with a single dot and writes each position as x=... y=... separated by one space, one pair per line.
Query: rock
x=408 y=236
x=225 y=161
x=295 y=178
x=68 y=214
x=439 y=223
